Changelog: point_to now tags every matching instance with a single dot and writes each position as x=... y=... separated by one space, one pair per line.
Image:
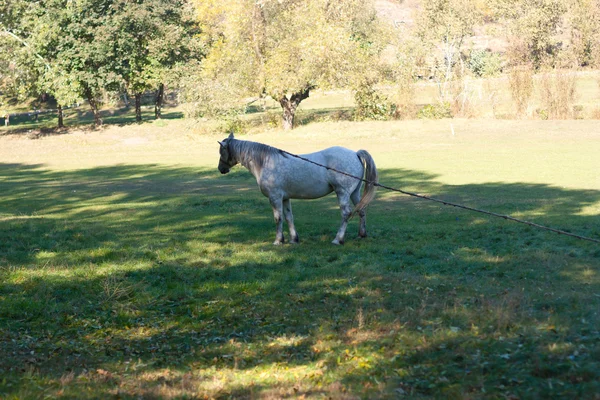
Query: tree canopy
x=92 y=46
x=229 y=52
x=284 y=49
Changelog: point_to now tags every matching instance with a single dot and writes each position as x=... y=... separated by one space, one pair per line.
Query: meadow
x=130 y=268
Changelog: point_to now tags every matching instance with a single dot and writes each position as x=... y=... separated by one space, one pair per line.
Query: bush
x=234 y=125
x=404 y=99
x=435 y=111
x=484 y=63
x=521 y=87
x=371 y=105
x=273 y=119
x=558 y=94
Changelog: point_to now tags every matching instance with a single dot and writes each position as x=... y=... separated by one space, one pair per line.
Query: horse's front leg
x=346 y=212
x=277 y=205
x=289 y=217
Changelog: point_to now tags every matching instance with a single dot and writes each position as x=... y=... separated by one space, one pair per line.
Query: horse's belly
x=306 y=190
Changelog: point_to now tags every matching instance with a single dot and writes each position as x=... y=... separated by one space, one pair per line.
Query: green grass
x=157 y=280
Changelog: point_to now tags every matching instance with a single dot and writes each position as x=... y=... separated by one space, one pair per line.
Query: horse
x=282 y=177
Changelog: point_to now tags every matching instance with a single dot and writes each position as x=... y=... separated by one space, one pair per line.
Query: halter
x=229 y=163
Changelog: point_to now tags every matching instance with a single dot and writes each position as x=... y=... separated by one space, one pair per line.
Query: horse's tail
x=371 y=179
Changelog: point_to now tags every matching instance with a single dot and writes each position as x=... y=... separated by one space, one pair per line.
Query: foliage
x=74 y=49
x=76 y=38
x=19 y=73
x=448 y=20
x=89 y=47
x=205 y=97
x=532 y=25
x=20 y=66
x=435 y=111
x=371 y=105
x=485 y=63
x=584 y=18
x=445 y=24
x=235 y=125
x=410 y=63
x=284 y=49
x=151 y=37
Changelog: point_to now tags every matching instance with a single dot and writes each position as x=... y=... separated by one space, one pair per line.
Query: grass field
x=130 y=268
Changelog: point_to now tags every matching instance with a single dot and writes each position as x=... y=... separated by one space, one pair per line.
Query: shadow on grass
x=117 y=274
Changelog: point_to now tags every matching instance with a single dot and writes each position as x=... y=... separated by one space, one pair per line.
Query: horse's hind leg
x=278 y=215
x=362 y=230
x=346 y=210
x=289 y=217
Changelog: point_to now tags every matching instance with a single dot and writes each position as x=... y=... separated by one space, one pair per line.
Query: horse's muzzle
x=223 y=169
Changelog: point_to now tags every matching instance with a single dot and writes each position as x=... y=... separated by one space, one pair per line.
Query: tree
x=73 y=37
x=19 y=71
x=19 y=64
x=34 y=54
x=585 y=31
x=88 y=47
x=177 y=44
x=64 y=90
x=150 y=37
x=445 y=24
x=132 y=29
x=96 y=46
x=532 y=27
x=285 y=49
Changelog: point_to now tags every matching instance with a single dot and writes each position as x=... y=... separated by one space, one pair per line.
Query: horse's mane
x=258 y=153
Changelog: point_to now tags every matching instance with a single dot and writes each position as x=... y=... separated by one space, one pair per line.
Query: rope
x=448 y=203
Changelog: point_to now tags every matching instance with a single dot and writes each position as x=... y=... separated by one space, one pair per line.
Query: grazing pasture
x=130 y=267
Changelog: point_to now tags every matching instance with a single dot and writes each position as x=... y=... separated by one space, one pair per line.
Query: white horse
x=282 y=177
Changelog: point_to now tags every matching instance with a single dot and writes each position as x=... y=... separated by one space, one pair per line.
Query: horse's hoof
x=337 y=242
x=278 y=243
x=295 y=242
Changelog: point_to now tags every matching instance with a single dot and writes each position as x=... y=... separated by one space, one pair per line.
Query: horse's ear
x=221 y=143
x=230 y=135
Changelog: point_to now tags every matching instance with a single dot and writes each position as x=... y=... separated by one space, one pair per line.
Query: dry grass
x=521 y=88
x=558 y=94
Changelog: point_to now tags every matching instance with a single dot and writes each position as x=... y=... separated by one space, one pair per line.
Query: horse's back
x=298 y=179
x=336 y=157
x=340 y=159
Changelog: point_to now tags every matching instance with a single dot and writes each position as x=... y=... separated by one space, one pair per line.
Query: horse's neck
x=245 y=157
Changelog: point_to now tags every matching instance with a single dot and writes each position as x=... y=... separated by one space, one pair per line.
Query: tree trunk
x=290 y=105
x=159 y=101
x=94 y=107
x=126 y=99
x=289 y=112
x=138 y=107
x=59 y=112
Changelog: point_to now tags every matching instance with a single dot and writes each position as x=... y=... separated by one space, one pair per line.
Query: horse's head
x=227 y=161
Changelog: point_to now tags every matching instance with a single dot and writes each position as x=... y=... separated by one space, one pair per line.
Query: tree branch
x=6 y=31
